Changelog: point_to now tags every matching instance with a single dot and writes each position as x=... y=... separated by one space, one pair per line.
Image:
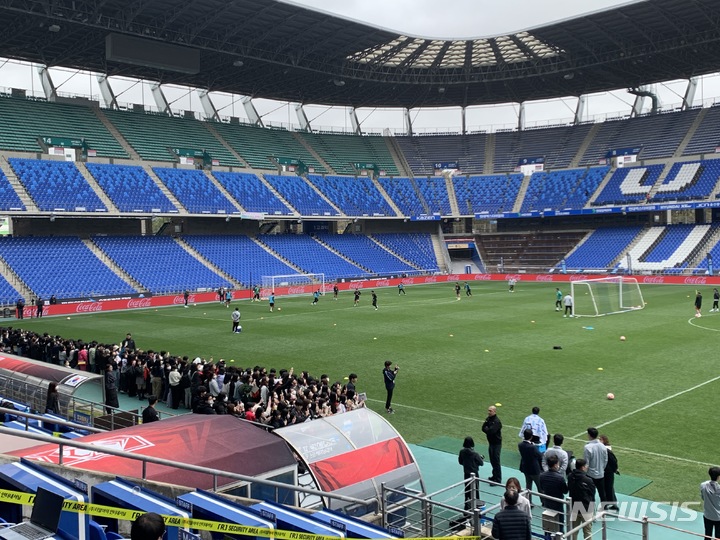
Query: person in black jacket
x=471 y=461
x=530 y=462
x=511 y=523
x=492 y=428
x=149 y=413
x=582 y=495
x=553 y=484
x=611 y=469
x=389 y=378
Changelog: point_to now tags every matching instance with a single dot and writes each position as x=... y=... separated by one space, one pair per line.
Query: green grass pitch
x=457 y=357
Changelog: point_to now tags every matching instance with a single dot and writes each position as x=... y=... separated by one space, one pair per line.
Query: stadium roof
x=276 y=50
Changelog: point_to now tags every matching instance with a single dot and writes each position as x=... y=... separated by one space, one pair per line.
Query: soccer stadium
x=557 y=264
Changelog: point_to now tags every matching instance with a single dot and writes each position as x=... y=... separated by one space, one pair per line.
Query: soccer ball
x=611 y=396
x=279 y=309
x=622 y=338
x=239 y=329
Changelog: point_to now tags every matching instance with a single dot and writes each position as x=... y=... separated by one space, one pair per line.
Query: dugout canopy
x=353 y=454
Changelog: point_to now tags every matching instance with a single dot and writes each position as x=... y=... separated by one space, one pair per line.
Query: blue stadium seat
x=403 y=194
x=629 y=185
x=416 y=248
x=602 y=248
x=130 y=188
x=492 y=194
x=300 y=195
x=9 y=200
x=366 y=253
x=195 y=191
x=250 y=192
x=354 y=196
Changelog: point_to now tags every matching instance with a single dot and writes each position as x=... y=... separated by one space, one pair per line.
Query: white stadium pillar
x=408 y=122
x=161 y=101
x=354 y=122
x=107 y=92
x=47 y=83
x=581 y=110
x=690 y=93
x=207 y=105
x=251 y=111
x=521 y=117
x=302 y=118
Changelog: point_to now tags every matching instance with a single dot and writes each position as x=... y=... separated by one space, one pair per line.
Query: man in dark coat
x=492 y=428
x=511 y=523
x=530 y=462
x=582 y=495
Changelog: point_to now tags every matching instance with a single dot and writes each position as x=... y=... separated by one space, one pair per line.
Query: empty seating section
x=159 y=263
x=689 y=180
x=403 y=193
x=658 y=135
x=602 y=248
x=423 y=151
x=300 y=195
x=240 y=257
x=24 y=121
x=707 y=136
x=310 y=255
x=341 y=151
x=62 y=266
x=9 y=200
x=416 y=248
x=366 y=253
x=8 y=294
x=713 y=251
x=154 y=136
x=354 y=196
x=554 y=190
x=56 y=186
x=130 y=188
x=629 y=185
x=252 y=194
x=494 y=193
x=557 y=145
x=195 y=191
x=256 y=145
x=667 y=247
x=434 y=191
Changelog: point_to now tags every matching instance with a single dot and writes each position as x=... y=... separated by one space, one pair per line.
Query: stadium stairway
x=322 y=196
x=489 y=166
x=224 y=191
x=450 y=187
x=25 y=198
x=398 y=157
x=276 y=192
x=441 y=252
x=517 y=206
x=711 y=240
x=385 y=195
x=229 y=148
x=90 y=179
x=394 y=253
x=13 y=279
x=312 y=151
x=112 y=265
x=169 y=194
x=116 y=134
x=601 y=187
x=342 y=255
x=191 y=250
x=690 y=133
x=277 y=255
x=575 y=162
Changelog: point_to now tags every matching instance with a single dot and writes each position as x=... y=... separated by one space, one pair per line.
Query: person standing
x=710 y=496
x=228 y=298
x=492 y=428
x=356 y=300
x=557 y=451
x=553 y=484
x=235 y=316
x=716 y=300
x=511 y=284
x=174 y=378
x=698 y=303
x=471 y=462
x=558 y=299
x=401 y=289
x=186 y=296
x=596 y=457
x=568 y=303
x=316 y=297
x=111 y=393
x=256 y=294
x=149 y=413
x=511 y=523
x=457 y=291
x=389 y=378
x=530 y=458
x=271 y=301
x=52 y=399
x=468 y=291
x=128 y=344
x=39 y=305
x=535 y=423
x=611 y=469
x=374 y=299
x=335 y=291
x=582 y=496
x=20 y=308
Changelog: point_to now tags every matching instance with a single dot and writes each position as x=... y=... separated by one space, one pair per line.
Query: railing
x=640 y=528
x=55 y=421
x=215 y=473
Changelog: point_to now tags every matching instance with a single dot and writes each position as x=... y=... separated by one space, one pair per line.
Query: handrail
x=55 y=421
x=216 y=473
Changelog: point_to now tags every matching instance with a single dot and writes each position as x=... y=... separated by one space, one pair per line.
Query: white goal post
x=305 y=283
x=605 y=296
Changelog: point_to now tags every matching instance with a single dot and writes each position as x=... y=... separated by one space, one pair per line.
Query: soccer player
x=568 y=302
x=558 y=299
x=235 y=321
x=374 y=299
x=401 y=289
x=457 y=291
x=316 y=297
x=468 y=292
x=698 y=303
x=716 y=300
x=271 y=301
x=357 y=298
x=511 y=284
x=256 y=294
x=186 y=295
x=335 y=291
x=228 y=298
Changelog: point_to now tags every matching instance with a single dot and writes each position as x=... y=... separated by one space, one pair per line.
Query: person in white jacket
x=710 y=495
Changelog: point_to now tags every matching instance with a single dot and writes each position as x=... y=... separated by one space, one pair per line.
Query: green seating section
x=23 y=121
x=153 y=136
x=256 y=145
x=341 y=151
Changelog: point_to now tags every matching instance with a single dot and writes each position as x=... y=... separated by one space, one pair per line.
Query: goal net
x=296 y=283
x=605 y=296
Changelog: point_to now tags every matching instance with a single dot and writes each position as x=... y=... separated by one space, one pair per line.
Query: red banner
x=197 y=298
